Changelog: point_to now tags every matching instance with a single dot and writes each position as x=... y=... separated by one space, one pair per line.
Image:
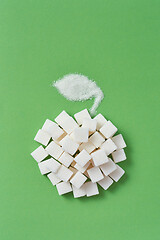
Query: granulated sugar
x=77 y=87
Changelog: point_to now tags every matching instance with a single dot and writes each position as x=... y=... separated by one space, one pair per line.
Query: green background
x=116 y=43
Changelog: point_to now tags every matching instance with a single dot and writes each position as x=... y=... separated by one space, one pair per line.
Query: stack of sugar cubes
x=80 y=153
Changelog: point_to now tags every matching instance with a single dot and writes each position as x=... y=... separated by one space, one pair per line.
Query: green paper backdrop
x=116 y=43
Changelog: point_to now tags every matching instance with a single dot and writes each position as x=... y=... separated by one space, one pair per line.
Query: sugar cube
x=108 y=146
x=53 y=178
x=105 y=183
x=108 y=129
x=63 y=188
x=91 y=189
x=54 y=150
x=39 y=154
x=66 y=122
x=82 y=158
x=91 y=124
x=95 y=174
x=100 y=120
x=49 y=165
x=89 y=147
x=96 y=139
x=69 y=145
x=66 y=159
x=52 y=129
x=43 y=167
x=108 y=167
x=119 y=156
x=42 y=137
x=81 y=169
x=99 y=157
x=117 y=174
x=69 y=125
x=47 y=124
x=80 y=116
x=78 y=179
x=53 y=165
x=78 y=192
x=64 y=173
x=61 y=117
x=81 y=134
x=119 y=141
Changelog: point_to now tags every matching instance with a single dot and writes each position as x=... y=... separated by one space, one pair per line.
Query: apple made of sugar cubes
x=78 y=154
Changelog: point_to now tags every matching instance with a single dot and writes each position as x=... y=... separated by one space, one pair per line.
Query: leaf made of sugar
x=76 y=87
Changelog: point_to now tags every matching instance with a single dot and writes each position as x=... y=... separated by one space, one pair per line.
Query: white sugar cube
x=61 y=117
x=108 y=167
x=49 y=165
x=119 y=156
x=99 y=157
x=53 y=165
x=89 y=147
x=64 y=173
x=66 y=122
x=108 y=146
x=52 y=129
x=91 y=189
x=80 y=116
x=78 y=192
x=96 y=139
x=39 y=154
x=95 y=174
x=81 y=134
x=42 y=137
x=117 y=174
x=54 y=150
x=81 y=169
x=66 y=159
x=91 y=124
x=106 y=182
x=43 y=167
x=53 y=178
x=119 y=141
x=78 y=179
x=47 y=124
x=82 y=158
x=63 y=188
x=69 y=125
x=100 y=120
x=108 y=129
x=69 y=145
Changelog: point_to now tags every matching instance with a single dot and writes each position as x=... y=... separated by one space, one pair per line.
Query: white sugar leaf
x=77 y=87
